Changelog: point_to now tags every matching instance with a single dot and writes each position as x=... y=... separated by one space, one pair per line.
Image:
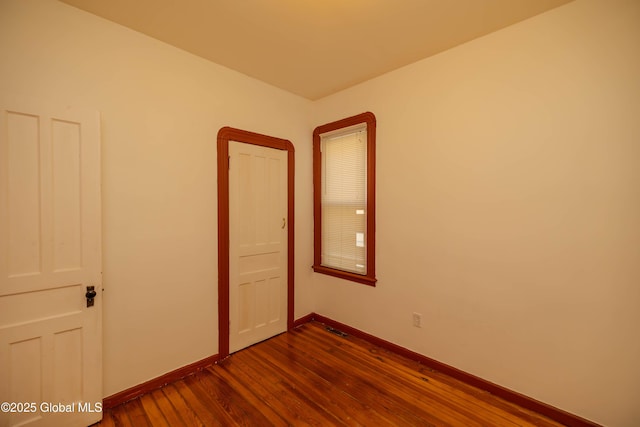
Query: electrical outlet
x=417 y=320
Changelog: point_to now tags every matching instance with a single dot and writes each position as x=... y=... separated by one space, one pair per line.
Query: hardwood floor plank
x=448 y=383
x=242 y=411
x=137 y=414
x=107 y=420
x=278 y=397
x=312 y=377
x=330 y=398
x=247 y=391
x=450 y=407
x=349 y=409
x=121 y=416
x=207 y=410
x=372 y=412
x=155 y=416
x=469 y=399
x=188 y=415
x=306 y=410
x=367 y=384
x=171 y=414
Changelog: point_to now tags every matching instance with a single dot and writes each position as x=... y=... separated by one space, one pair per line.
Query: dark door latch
x=91 y=294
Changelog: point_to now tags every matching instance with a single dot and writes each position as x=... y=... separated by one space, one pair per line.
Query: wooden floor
x=314 y=377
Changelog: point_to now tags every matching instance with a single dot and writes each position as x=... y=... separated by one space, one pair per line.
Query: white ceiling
x=314 y=48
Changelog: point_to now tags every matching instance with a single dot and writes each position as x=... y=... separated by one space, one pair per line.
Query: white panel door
x=258 y=243
x=50 y=341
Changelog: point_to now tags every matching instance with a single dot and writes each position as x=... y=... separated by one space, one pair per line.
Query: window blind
x=344 y=200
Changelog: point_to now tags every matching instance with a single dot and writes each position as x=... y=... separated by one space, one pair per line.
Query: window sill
x=354 y=277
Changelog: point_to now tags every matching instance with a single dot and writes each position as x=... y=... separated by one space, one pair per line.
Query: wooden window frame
x=369 y=120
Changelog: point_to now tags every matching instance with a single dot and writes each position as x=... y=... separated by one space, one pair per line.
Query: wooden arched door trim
x=225 y=135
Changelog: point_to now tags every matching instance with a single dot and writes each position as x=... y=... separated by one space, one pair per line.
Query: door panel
x=23 y=194
x=67 y=226
x=258 y=243
x=50 y=341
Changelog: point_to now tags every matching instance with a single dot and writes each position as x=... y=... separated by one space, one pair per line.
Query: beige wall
x=509 y=209
x=508 y=199
x=161 y=110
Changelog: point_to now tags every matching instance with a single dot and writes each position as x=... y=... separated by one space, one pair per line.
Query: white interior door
x=50 y=341
x=258 y=243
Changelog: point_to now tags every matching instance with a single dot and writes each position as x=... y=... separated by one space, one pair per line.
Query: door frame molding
x=225 y=135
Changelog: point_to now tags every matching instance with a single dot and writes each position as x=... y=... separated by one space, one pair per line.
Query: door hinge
x=229 y=162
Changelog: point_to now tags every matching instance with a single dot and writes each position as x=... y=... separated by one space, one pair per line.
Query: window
x=344 y=163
